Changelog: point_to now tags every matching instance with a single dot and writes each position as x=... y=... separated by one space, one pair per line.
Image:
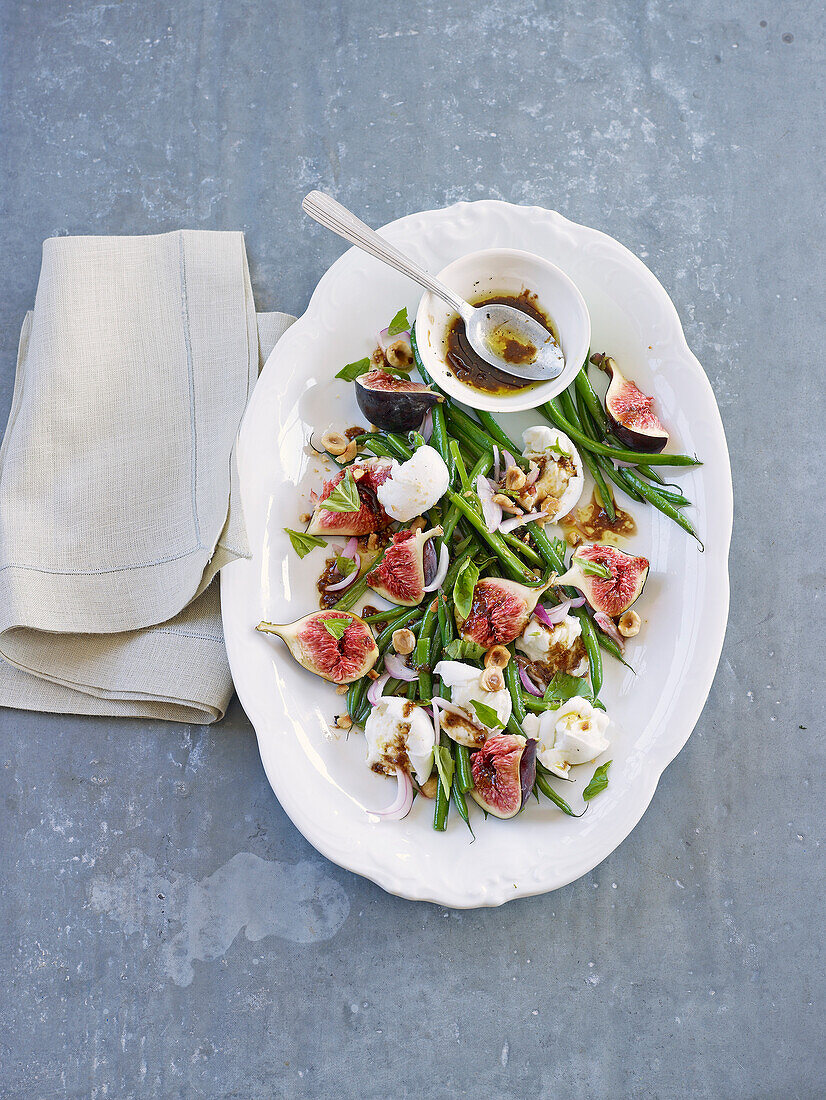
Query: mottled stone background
x=164 y=931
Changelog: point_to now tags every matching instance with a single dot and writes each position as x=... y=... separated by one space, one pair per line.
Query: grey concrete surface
x=164 y=930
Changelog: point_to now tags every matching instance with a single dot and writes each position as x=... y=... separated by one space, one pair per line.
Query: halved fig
x=498 y=783
x=393 y=404
x=615 y=593
x=499 y=611
x=340 y=653
x=368 y=476
x=631 y=412
x=400 y=576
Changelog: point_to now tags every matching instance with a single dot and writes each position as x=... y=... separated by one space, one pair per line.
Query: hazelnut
x=342 y=689
x=497 y=656
x=515 y=479
x=336 y=443
x=629 y=624
x=492 y=679
x=399 y=355
x=404 y=641
x=506 y=504
x=430 y=786
x=350 y=452
x=344 y=721
x=373 y=541
x=418 y=524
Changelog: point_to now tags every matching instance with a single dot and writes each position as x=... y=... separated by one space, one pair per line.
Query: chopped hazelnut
x=373 y=541
x=342 y=689
x=515 y=479
x=492 y=679
x=430 y=786
x=344 y=721
x=418 y=524
x=506 y=504
x=335 y=442
x=497 y=656
x=351 y=451
x=404 y=641
x=629 y=624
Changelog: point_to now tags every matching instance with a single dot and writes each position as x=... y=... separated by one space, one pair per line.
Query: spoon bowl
x=513 y=342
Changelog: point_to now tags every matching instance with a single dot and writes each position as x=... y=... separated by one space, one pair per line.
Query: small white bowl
x=505 y=271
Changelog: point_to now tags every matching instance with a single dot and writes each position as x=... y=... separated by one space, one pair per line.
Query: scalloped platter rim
x=317 y=772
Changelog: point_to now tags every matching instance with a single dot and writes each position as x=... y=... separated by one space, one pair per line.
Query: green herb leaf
x=344 y=498
x=599 y=781
x=303 y=543
x=399 y=324
x=486 y=715
x=555 y=447
x=594 y=568
x=466 y=580
x=345 y=566
x=459 y=650
x=337 y=626
x=563 y=687
x=353 y=370
x=444 y=766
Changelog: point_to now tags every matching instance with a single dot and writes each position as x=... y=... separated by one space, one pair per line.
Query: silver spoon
x=505 y=337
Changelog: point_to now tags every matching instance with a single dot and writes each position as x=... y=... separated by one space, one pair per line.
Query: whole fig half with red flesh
x=334 y=644
x=631 y=412
x=400 y=575
x=616 y=592
x=393 y=404
x=368 y=476
x=499 y=611
x=497 y=778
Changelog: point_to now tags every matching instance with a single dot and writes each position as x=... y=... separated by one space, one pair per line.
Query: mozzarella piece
x=572 y=735
x=398 y=729
x=415 y=485
x=538 y=642
x=538 y=443
x=465 y=683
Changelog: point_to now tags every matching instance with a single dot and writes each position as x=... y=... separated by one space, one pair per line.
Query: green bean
x=399 y=445
x=440 y=810
x=512 y=683
x=463 y=772
x=653 y=496
x=590 y=461
x=471 y=444
x=498 y=434
x=617 y=475
x=405 y=619
x=439 y=437
x=388 y=616
x=517 y=569
x=453 y=516
x=459 y=800
x=375 y=445
x=522 y=548
x=459 y=462
x=591 y=642
x=551 y=412
x=485 y=436
x=534 y=704
x=446 y=624
x=550 y=793
x=422 y=651
x=355 y=697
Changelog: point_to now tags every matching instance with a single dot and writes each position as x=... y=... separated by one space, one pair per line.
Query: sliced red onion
x=491 y=511
x=509 y=459
x=517 y=521
x=441 y=572
x=496 y=467
x=400 y=806
x=376 y=688
x=527 y=683
x=399 y=669
x=437 y=726
x=427 y=426
x=345 y=582
x=532 y=475
x=451 y=708
x=385 y=339
x=543 y=616
x=608 y=626
x=350 y=549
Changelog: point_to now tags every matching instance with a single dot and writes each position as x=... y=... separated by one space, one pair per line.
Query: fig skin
x=338 y=660
x=496 y=770
x=393 y=404
x=369 y=475
x=400 y=575
x=499 y=612
x=631 y=412
x=612 y=595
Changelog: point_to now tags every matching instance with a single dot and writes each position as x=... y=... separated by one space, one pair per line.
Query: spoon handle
x=332 y=215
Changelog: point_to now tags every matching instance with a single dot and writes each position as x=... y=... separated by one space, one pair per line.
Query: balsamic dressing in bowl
x=471 y=369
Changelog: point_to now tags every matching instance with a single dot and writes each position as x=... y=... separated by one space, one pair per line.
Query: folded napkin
x=119 y=499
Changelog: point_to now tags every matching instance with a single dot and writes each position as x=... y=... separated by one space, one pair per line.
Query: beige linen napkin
x=118 y=491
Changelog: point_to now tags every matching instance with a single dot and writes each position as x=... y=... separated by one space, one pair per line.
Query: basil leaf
x=486 y=715
x=594 y=568
x=459 y=649
x=399 y=323
x=599 y=781
x=444 y=766
x=345 y=566
x=304 y=543
x=463 y=589
x=344 y=498
x=337 y=626
x=555 y=447
x=353 y=370
x=563 y=687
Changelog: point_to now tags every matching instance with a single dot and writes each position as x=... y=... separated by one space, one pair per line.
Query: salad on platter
x=487 y=591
